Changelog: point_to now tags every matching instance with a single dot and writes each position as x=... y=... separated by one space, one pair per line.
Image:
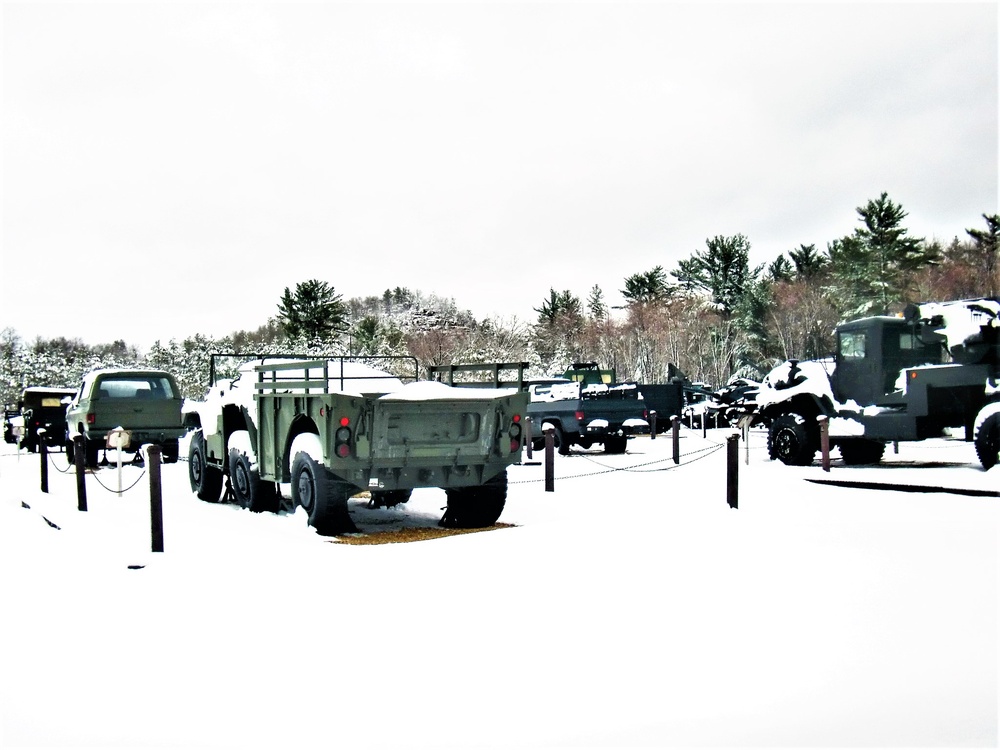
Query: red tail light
x=515 y=433
x=342 y=438
x=580 y=416
x=91 y=418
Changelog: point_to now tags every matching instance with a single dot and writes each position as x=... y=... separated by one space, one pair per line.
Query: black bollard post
x=550 y=458
x=155 y=498
x=652 y=424
x=43 y=452
x=824 y=440
x=675 y=427
x=80 y=460
x=732 y=470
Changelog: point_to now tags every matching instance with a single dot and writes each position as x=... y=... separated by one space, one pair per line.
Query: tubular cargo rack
x=305 y=364
x=494 y=370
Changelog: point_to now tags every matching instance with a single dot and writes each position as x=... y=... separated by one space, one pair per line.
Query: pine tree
x=780 y=269
x=314 y=311
x=596 y=306
x=986 y=244
x=808 y=262
x=873 y=267
x=651 y=286
x=722 y=269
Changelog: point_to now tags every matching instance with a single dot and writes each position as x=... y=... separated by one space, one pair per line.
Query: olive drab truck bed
x=423 y=435
x=332 y=428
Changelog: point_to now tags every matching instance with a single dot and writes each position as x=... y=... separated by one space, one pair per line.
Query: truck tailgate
x=467 y=425
x=136 y=415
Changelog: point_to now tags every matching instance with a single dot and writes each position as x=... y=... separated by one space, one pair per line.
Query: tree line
x=713 y=316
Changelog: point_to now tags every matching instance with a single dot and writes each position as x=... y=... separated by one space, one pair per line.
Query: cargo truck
x=934 y=368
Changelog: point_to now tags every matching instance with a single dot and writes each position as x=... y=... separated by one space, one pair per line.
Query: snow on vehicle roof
x=431 y=390
x=963 y=321
x=782 y=383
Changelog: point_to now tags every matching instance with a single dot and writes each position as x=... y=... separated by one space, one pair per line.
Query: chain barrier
x=52 y=463
x=707 y=451
x=124 y=489
x=70 y=468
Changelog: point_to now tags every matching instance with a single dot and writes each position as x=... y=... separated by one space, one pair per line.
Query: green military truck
x=334 y=427
x=892 y=379
x=43 y=408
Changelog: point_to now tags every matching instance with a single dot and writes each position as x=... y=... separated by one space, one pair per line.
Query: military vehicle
x=585 y=407
x=144 y=402
x=43 y=407
x=892 y=379
x=337 y=426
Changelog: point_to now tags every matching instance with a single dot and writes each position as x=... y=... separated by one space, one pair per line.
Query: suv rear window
x=141 y=388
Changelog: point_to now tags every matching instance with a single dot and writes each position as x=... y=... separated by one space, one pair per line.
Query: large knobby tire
x=790 y=441
x=615 y=444
x=859 y=451
x=558 y=440
x=171 y=451
x=987 y=439
x=476 y=507
x=248 y=489
x=206 y=481
x=322 y=496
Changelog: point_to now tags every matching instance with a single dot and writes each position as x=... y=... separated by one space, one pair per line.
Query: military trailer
x=892 y=379
x=334 y=427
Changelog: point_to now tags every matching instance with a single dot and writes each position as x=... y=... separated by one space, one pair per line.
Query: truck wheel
x=389 y=498
x=558 y=440
x=789 y=441
x=987 y=440
x=615 y=444
x=476 y=507
x=322 y=496
x=206 y=481
x=93 y=449
x=251 y=493
x=171 y=451
x=859 y=451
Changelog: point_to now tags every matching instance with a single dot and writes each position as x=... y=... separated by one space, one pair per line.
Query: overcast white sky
x=170 y=168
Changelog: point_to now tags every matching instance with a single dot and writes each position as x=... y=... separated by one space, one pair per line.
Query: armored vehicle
x=892 y=379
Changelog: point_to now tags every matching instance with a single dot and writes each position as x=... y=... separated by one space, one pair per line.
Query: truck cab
x=934 y=368
x=871 y=353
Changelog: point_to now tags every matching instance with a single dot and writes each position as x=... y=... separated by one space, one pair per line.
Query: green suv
x=146 y=403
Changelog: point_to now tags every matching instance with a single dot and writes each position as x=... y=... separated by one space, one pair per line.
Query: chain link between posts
x=697 y=455
x=70 y=468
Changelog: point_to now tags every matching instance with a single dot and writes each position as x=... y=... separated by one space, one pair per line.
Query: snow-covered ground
x=630 y=607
